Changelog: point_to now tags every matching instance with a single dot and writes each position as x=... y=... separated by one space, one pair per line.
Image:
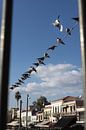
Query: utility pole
x=27 y=111
x=5 y=47
x=20 y=121
x=82 y=20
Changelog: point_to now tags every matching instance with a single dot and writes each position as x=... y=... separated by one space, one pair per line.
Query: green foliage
x=40 y=103
x=17 y=97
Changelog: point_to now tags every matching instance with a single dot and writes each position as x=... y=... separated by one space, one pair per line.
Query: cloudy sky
x=55 y=81
x=32 y=34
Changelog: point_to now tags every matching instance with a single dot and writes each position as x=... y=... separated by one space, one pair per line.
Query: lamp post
x=27 y=111
x=20 y=123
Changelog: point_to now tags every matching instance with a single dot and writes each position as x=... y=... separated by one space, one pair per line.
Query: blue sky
x=32 y=34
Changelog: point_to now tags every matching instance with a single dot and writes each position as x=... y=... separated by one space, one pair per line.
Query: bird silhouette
x=12 y=88
x=33 y=68
x=25 y=76
x=58 y=24
x=76 y=19
x=41 y=58
x=60 y=41
x=52 y=47
x=41 y=62
x=29 y=71
x=68 y=30
x=20 y=81
x=36 y=64
x=46 y=55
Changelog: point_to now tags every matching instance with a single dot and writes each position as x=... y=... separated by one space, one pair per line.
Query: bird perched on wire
x=20 y=81
x=68 y=31
x=76 y=19
x=36 y=64
x=58 y=24
x=14 y=86
x=60 y=41
x=41 y=58
x=33 y=69
x=24 y=77
x=29 y=71
x=40 y=61
x=46 y=55
x=52 y=47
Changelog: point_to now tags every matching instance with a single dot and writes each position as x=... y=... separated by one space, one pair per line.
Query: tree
x=40 y=103
x=17 y=97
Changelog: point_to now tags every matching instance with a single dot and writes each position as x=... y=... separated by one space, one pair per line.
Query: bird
x=25 y=76
x=76 y=19
x=59 y=40
x=46 y=55
x=41 y=62
x=29 y=71
x=41 y=58
x=58 y=24
x=52 y=47
x=68 y=30
x=36 y=64
x=12 y=88
x=15 y=85
x=20 y=81
x=33 y=68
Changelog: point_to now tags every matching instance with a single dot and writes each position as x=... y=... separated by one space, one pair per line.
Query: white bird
x=58 y=24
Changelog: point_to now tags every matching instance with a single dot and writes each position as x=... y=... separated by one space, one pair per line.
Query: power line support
x=82 y=20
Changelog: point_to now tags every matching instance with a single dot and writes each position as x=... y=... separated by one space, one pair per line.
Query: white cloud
x=56 y=80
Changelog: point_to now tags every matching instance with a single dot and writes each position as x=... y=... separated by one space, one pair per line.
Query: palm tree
x=17 y=97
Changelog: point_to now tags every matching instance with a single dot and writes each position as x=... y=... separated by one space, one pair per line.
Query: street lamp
x=27 y=111
x=20 y=122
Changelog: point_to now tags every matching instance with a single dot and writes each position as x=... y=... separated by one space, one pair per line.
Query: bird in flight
x=60 y=41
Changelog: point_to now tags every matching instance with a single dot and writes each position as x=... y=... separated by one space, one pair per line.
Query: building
x=56 y=109
x=31 y=118
x=47 y=112
x=70 y=104
x=40 y=116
